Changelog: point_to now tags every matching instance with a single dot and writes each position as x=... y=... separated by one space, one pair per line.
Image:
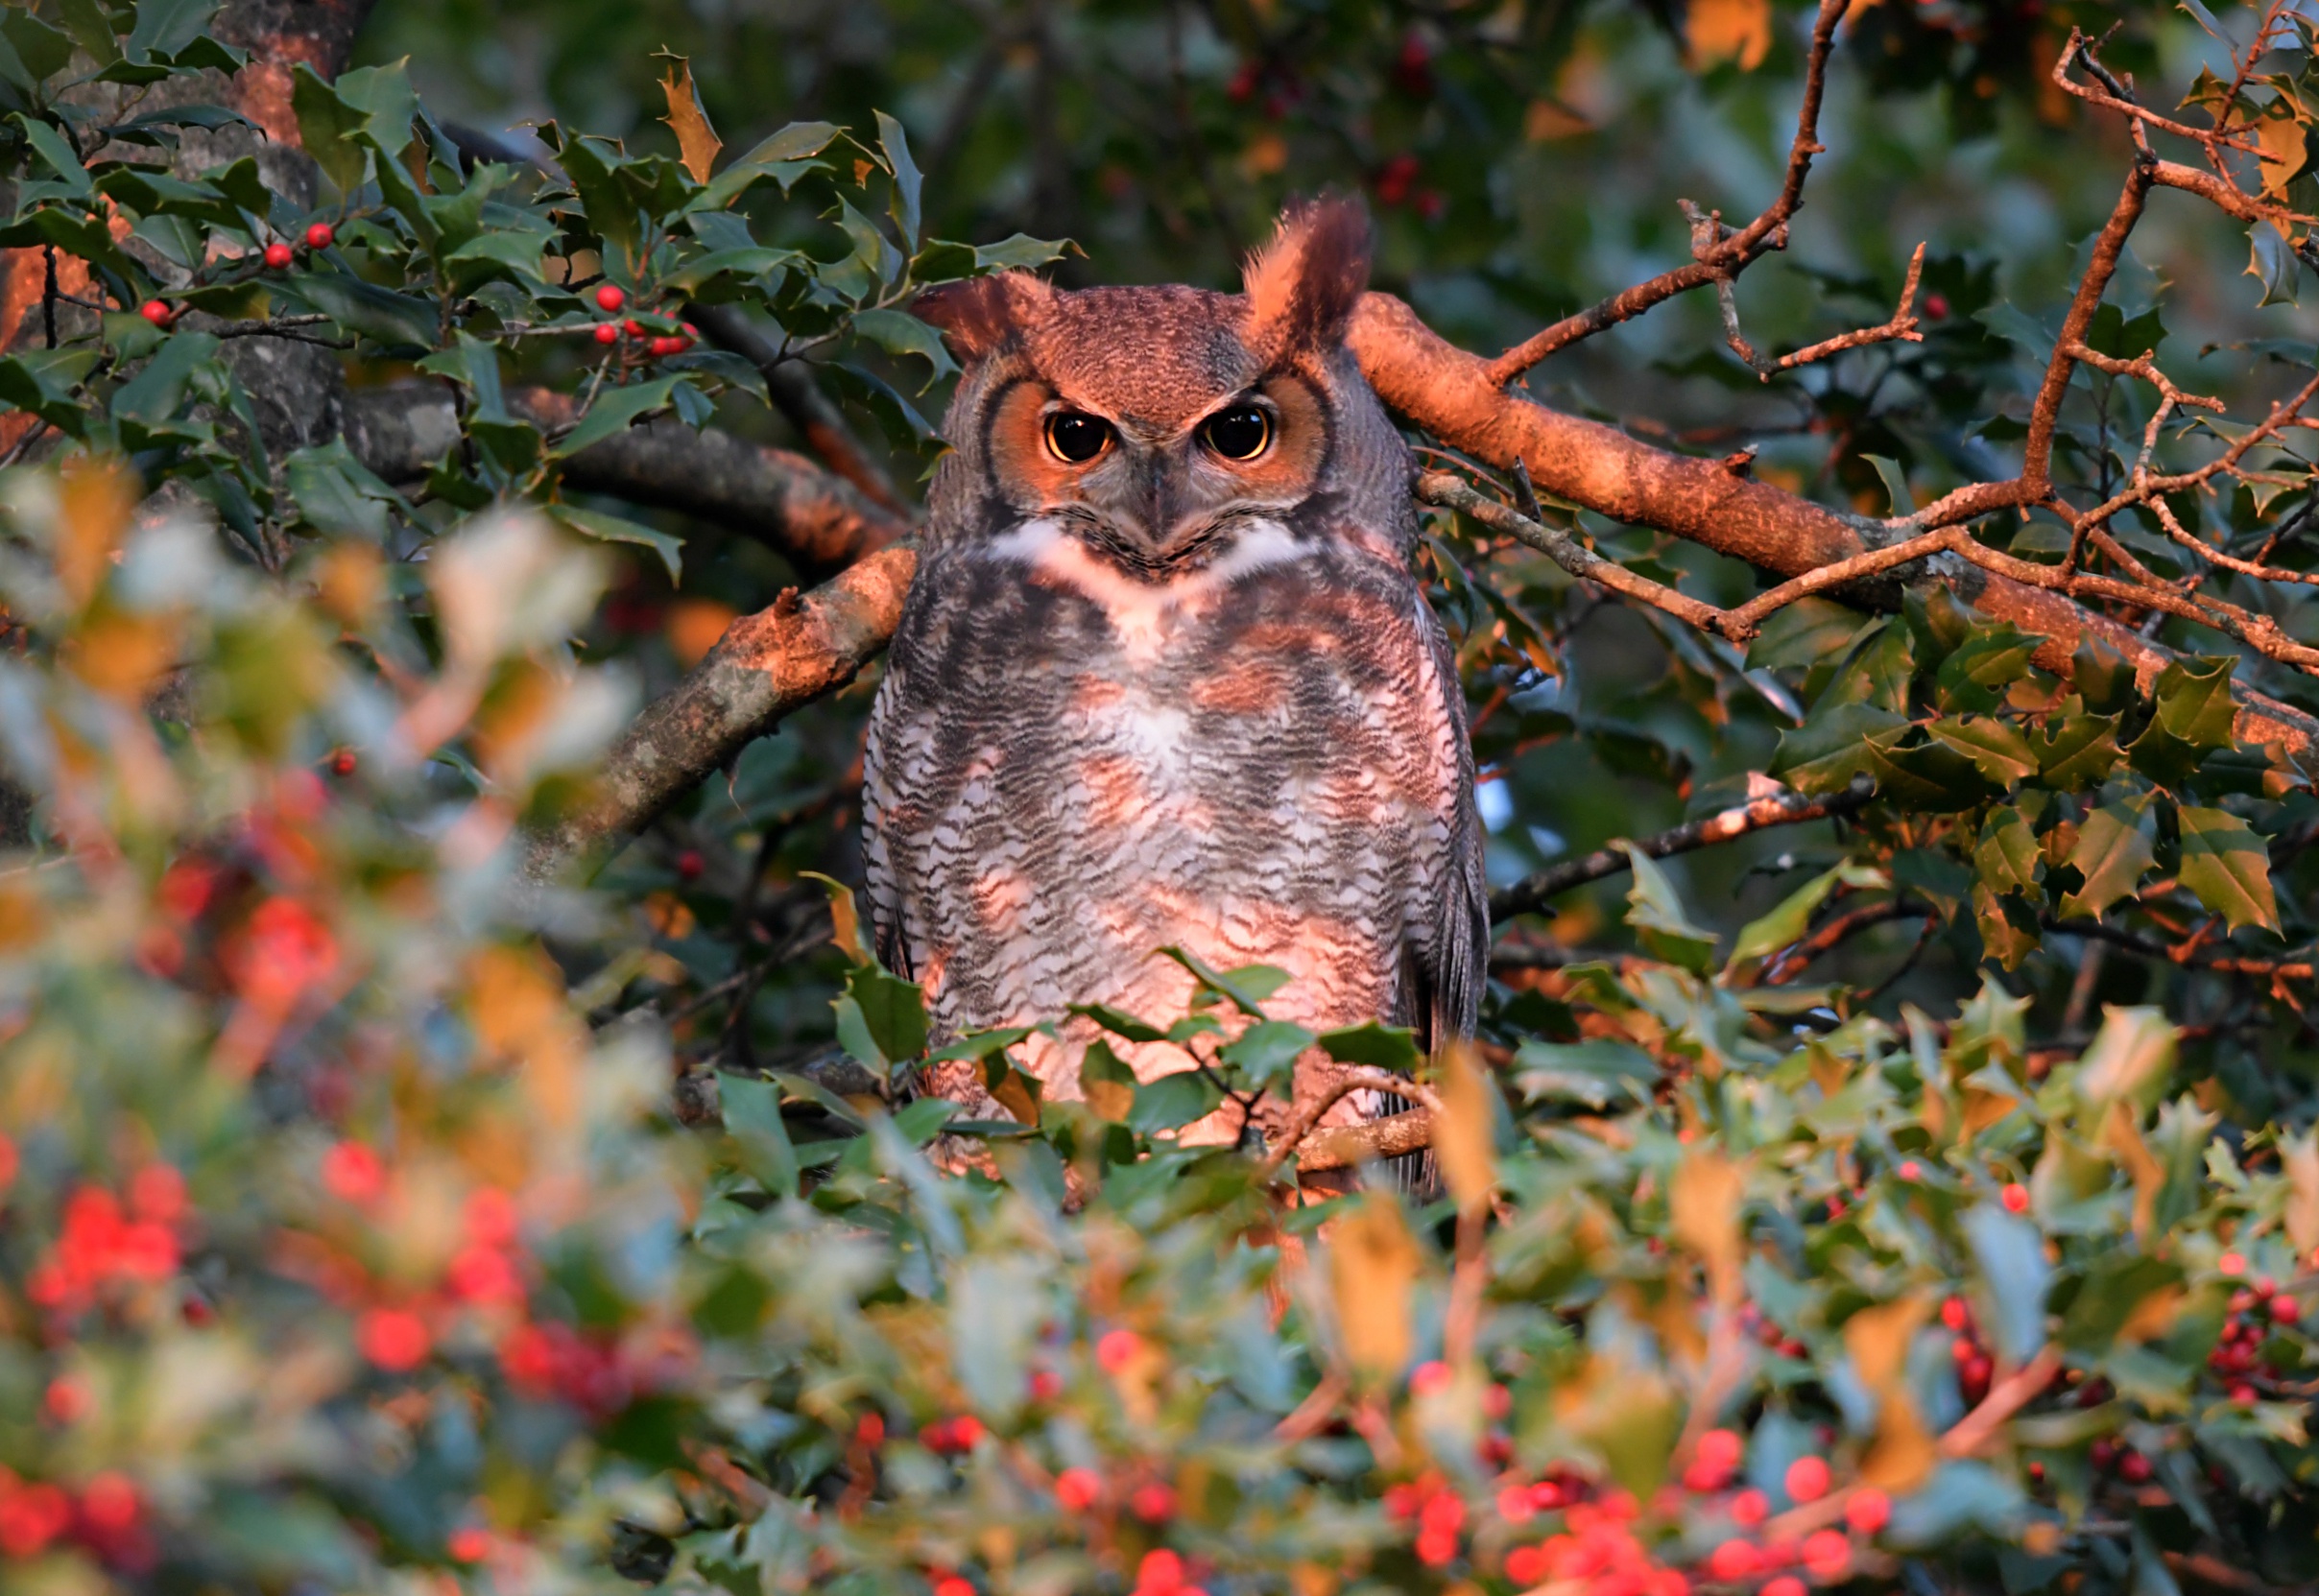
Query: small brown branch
x=1390 y=1137
x=2007 y=1398
x=1903 y=326
x=1343 y=1080
x=2108 y=99
x=1311 y=1417
x=2045 y=411
x=1441 y=489
x=1725 y=258
x=1779 y=809
x=799 y=399
x=1792 y=960
x=2280 y=969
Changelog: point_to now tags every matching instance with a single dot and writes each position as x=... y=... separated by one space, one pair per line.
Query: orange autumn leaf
x=696 y=140
x=1717 y=30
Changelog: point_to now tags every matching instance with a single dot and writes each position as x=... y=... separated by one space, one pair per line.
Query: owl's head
x=1155 y=425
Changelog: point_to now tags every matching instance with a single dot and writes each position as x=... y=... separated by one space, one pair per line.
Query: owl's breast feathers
x=1262 y=761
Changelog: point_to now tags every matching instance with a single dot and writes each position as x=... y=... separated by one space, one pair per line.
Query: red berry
x=278 y=256
x=1436 y=1547
x=635 y=328
x=341 y=762
x=395 y=1339
x=2285 y=1309
x=110 y=1503
x=2266 y=1286
x=870 y=1429
x=2016 y=1198
x=1720 y=1449
x=661 y=347
x=1827 y=1554
x=2134 y=1468
x=1160 y=1570
x=1936 y=306
x=1497 y=1401
x=1963 y=1348
x=1154 y=1504
x=2103 y=1454
x=1868 y=1509
x=1750 y=1508
x=1118 y=1351
x=1955 y=1314
x=1807 y=1479
x=2243 y=1395
x=1077 y=1489
x=158 y=312
x=608 y=332
x=1911 y=1170
x=2232 y=1264
x=1786 y=1584
x=469 y=1545
x=1735 y=1560
x=1526 y=1565
x=952 y=1585
x=1045 y=1385
x=689 y=865
x=1430 y=1377
x=610 y=296
x=321 y=237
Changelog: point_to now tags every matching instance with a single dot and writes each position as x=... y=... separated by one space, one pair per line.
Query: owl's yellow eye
x=1240 y=433
x=1076 y=437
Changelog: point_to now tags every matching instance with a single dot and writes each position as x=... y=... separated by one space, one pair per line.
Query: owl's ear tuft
x=978 y=315
x=1302 y=287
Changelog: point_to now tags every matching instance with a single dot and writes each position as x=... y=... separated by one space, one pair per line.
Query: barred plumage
x=1168 y=693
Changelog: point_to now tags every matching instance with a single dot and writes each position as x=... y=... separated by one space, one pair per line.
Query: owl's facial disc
x=1156 y=497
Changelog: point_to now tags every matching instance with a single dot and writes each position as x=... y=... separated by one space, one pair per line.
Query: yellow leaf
x=1984 y=1108
x=696 y=139
x=1372 y=1264
x=1461 y=1139
x=1702 y=1203
x=2153 y=1316
x=2125 y=1137
x=95 y=498
x=1109 y=1099
x=1718 y=30
x=1903 y=1453
x=2302 y=1158
x=2282 y=154
x=1878 y=1340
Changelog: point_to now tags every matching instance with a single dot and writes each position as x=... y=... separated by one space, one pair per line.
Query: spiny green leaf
x=1996 y=748
x=2229 y=867
x=1657 y=913
x=2079 y=752
x=2113 y=851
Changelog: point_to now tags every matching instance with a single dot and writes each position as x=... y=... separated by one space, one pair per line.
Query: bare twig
x=1903 y=326
x=1725 y=258
x=1779 y=809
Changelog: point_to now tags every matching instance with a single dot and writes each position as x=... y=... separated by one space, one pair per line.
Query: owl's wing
x=881 y=885
x=1450 y=974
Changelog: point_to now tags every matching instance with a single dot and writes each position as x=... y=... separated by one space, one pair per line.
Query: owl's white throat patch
x=1141 y=613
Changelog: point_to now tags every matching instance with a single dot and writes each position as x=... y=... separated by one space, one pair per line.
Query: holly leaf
x=697 y=141
x=1657 y=913
x=1995 y=748
x=2007 y=853
x=1974 y=676
x=2079 y=752
x=1834 y=745
x=2113 y=851
x=2229 y=867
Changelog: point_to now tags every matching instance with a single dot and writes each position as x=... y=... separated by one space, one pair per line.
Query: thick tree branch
x=784 y=500
x=1450 y=393
x=765 y=666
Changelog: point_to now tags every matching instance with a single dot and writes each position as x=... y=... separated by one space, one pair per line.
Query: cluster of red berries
x=594 y=1373
x=2255 y=1310
x=1975 y=1368
x=107 y=1516
x=1396 y=184
x=1770 y=1334
x=609 y=298
x=1437 y=1510
x=952 y=1437
x=103 y=1241
x=282 y=953
x=278 y=256
x=2112 y=1457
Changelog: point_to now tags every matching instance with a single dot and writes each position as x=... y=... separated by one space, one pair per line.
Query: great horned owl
x=1165 y=678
